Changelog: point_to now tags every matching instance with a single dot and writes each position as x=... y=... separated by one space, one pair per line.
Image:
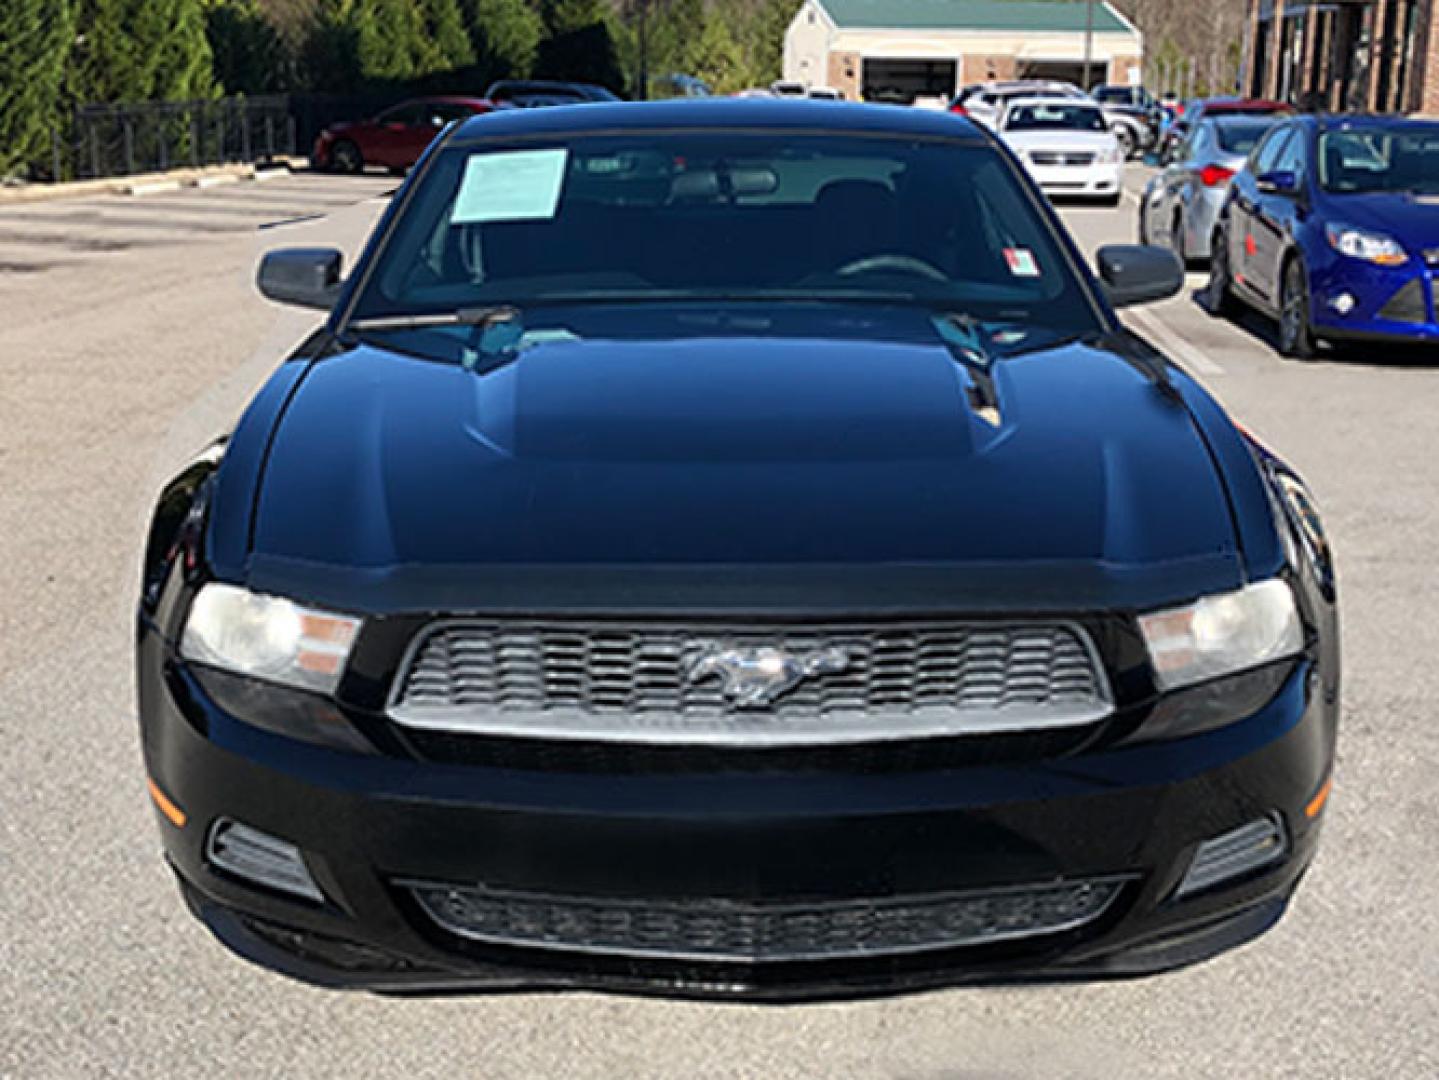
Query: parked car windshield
x=1055 y=116
x=1240 y=136
x=706 y=215
x=1370 y=159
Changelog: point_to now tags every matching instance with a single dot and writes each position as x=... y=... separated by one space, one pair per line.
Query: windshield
x=1114 y=94
x=1242 y=136
x=693 y=216
x=1381 y=159
x=1055 y=116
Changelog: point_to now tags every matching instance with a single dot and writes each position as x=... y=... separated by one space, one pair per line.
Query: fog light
x=261 y=858
x=1247 y=849
x=1343 y=303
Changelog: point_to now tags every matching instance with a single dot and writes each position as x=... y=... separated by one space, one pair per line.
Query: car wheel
x=345 y=157
x=1296 y=331
x=1126 y=140
x=1219 y=297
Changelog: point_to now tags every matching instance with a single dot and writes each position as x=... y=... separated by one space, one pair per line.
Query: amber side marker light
x=173 y=814
x=1321 y=797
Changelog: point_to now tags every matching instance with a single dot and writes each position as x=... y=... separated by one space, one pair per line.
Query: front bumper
x=367 y=824
x=1392 y=304
x=1080 y=181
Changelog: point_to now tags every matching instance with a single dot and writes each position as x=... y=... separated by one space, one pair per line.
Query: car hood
x=1091 y=141
x=680 y=460
x=1411 y=219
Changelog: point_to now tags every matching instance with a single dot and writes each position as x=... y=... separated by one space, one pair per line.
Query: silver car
x=1181 y=205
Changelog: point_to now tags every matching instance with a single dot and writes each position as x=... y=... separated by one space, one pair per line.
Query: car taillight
x=1214 y=175
x=959 y=110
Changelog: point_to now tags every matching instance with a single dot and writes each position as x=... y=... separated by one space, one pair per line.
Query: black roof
x=756 y=114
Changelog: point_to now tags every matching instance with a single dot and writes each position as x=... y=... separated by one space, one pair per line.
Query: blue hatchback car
x=1333 y=229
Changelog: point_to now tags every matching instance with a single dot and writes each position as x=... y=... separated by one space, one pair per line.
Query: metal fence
x=121 y=140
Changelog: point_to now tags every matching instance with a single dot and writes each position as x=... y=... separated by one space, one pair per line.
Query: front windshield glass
x=1055 y=116
x=1401 y=158
x=1241 y=136
x=710 y=216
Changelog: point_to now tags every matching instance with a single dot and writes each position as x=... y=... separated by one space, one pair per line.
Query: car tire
x=1296 y=329
x=345 y=157
x=1219 y=299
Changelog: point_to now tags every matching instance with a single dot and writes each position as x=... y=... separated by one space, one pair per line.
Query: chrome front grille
x=727 y=930
x=1051 y=157
x=634 y=682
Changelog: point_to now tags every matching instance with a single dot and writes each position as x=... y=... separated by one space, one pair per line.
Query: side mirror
x=304 y=277
x=1135 y=274
x=1278 y=183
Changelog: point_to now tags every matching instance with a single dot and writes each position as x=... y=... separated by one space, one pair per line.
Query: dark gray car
x=1181 y=204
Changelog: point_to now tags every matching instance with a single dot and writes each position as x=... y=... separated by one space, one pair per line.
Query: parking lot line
x=1172 y=342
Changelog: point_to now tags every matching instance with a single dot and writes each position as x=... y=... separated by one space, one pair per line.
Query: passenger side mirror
x=303 y=277
x=1278 y=183
x=1135 y=274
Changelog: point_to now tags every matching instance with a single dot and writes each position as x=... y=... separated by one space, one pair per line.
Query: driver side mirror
x=302 y=277
x=1137 y=274
x=1278 y=183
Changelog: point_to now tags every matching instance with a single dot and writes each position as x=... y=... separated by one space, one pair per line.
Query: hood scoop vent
x=964 y=337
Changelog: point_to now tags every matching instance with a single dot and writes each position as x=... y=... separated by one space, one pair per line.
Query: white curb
x=153 y=187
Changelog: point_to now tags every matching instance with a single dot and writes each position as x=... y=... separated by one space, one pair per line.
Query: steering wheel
x=905 y=264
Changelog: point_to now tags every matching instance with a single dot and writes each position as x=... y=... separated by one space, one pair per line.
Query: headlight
x=1224 y=634
x=267 y=637
x=1365 y=245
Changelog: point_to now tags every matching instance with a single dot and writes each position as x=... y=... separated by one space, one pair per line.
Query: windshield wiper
x=480 y=316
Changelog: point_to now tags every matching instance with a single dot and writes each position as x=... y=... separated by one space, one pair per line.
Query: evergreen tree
x=449 y=43
x=675 y=30
x=35 y=38
x=580 y=46
x=250 y=56
x=717 y=59
x=140 y=50
x=505 y=36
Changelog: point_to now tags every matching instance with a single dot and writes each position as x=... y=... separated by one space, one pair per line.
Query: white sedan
x=1067 y=147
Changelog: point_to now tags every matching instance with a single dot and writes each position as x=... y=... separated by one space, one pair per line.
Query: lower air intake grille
x=1408 y=305
x=685 y=684
x=1050 y=157
x=734 y=931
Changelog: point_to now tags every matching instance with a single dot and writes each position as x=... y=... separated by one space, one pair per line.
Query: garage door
x=905 y=80
x=1070 y=71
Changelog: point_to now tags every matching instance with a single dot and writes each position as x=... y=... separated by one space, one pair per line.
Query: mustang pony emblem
x=755 y=676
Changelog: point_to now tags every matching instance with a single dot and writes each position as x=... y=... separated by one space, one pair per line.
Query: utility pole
x=1088 y=42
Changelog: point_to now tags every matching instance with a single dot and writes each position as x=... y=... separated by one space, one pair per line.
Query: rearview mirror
x=304 y=277
x=1136 y=274
x=1278 y=183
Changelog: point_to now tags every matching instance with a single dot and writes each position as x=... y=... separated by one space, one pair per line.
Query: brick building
x=1359 y=55
x=930 y=48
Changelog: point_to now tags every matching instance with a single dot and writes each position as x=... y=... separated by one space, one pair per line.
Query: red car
x=395 y=139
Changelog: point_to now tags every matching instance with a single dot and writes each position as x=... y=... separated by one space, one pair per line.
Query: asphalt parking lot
x=129 y=333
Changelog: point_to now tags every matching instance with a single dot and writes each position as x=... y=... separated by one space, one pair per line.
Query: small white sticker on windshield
x=513 y=185
x=1021 y=262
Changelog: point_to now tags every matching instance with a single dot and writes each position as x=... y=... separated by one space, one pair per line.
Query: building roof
x=1043 y=16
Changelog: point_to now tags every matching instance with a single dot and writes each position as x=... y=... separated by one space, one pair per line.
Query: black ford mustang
x=732 y=548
